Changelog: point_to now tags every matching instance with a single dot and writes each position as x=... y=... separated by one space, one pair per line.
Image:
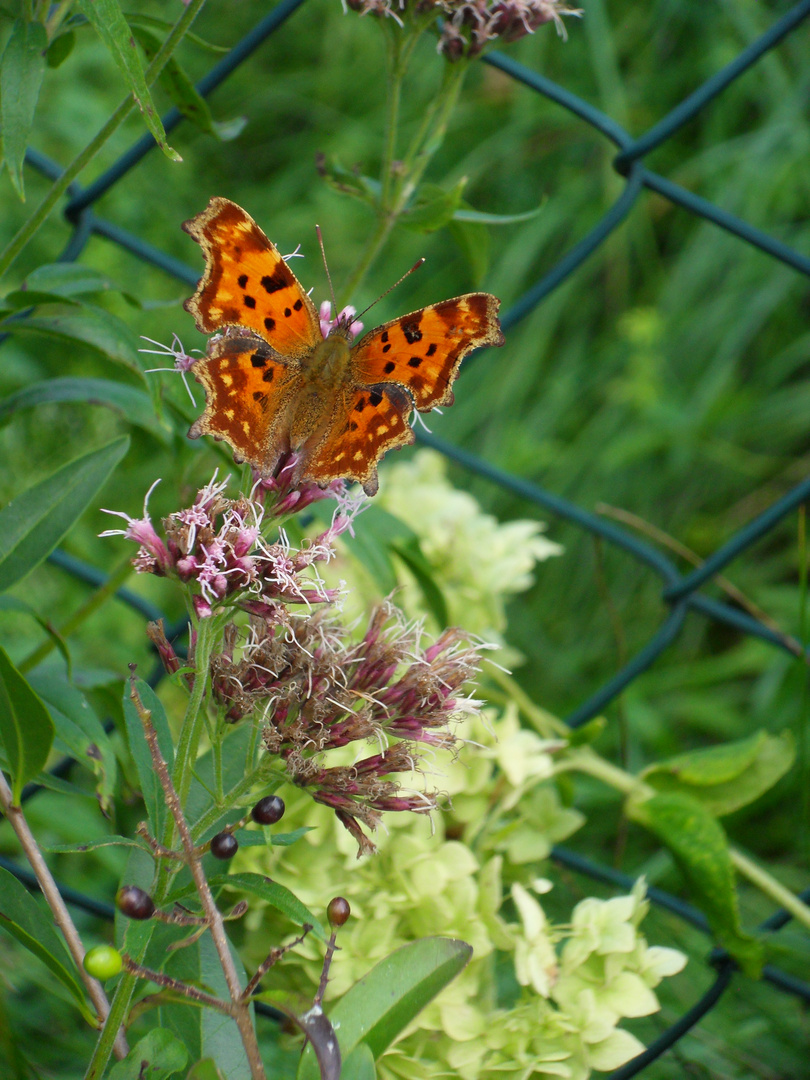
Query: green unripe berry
x=103 y=961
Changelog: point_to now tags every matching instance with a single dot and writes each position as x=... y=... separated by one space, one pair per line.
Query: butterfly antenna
x=390 y=288
x=326 y=268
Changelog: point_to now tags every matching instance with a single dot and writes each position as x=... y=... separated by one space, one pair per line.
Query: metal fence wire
x=681 y=592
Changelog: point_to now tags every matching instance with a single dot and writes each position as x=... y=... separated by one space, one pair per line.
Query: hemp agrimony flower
x=316 y=690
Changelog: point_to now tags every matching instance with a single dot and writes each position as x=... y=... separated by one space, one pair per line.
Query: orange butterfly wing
x=247 y=282
x=366 y=424
x=250 y=394
x=422 y=351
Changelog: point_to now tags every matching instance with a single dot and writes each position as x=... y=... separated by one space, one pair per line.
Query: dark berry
x=268 y=810
x=224 y=845
x=338 y=911
x=102 y=962
x=134 y=902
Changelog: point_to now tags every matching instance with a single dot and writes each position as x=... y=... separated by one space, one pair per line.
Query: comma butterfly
x=275 y=385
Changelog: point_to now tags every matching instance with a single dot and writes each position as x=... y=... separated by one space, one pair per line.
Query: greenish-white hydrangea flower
x=578 y=982
x=478 y=561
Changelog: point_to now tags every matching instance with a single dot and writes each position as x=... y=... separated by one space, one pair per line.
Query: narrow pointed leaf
x=34 y=522
x=478 y=217
x=79 y=732
x=133 y=404
x=67 y=279
x=85 y=323
x=112 y=28
x=23 y=918
x=699 y=846
x=21 y=71
x=26 y=728
x=381 y=1005
x=177 y=85
x=272 y=893
x=151 y=790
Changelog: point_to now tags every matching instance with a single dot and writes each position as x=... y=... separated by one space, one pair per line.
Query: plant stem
x=14 y=815
x=42 y=212
x=240 y=1009
x=586 y=761
x=768 y=884
x=398 y=181
x=189 y=740
x=116 y=579
x=544 y=722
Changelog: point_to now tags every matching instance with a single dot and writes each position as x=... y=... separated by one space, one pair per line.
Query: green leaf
x=133 y=404
x=164 y=24
x=60 y=49
x=90 y=325
x=699 y=846
x=34 y=522
x=360 y=1064
x=79 y=732
x=177 y=85
x=66 y=279
x=477 y=217
x=725 y=778
x=158 y=1055
x=205 y=1032
x=205 y=1070
x=92 y=845
x=474 y=244
x=151 y=790
x=21 y=71
x=371 y=547
x=11 y=603
x=380 y=1006
x=434 y=207
x=277 y=896
x=27 y=921
x=411 y=554
x=349 y=182
x=26 y=729
x=112 y=28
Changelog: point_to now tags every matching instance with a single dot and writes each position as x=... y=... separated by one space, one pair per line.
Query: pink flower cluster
x=469 y=25
x=217 y=545
x=316 y=690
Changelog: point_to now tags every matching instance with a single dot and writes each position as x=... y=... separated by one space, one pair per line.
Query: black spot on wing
x=411 y=331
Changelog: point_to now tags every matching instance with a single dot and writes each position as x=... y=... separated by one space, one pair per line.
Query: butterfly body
x=275 y=385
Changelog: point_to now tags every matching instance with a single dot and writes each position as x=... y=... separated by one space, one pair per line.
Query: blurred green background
x=667 y=377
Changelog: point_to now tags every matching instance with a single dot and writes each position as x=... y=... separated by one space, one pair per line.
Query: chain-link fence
x=681 y=593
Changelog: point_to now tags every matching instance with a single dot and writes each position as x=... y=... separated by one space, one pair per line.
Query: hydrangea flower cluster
x=317 y=691
x=469 y=25
x=479 y=562
x=216 y=544
x=578 y=982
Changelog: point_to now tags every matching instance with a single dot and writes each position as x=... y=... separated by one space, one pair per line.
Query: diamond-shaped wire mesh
x=680 y=592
